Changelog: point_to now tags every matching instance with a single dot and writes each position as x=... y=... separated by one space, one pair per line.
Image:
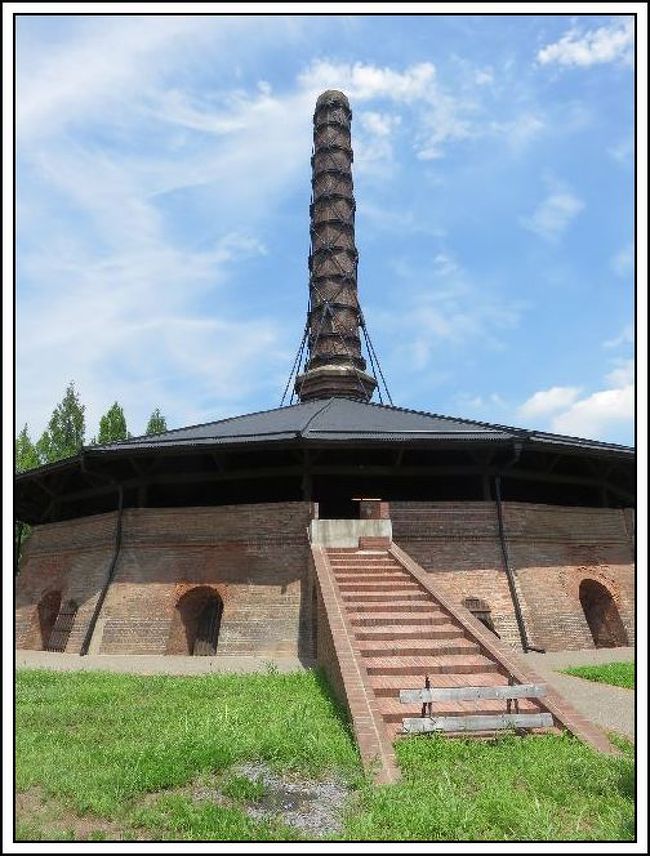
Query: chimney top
x=332 y=95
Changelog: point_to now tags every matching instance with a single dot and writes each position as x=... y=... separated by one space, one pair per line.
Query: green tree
x=65 y=431
x=112 y=425
x=27 y=456
x=157 y=423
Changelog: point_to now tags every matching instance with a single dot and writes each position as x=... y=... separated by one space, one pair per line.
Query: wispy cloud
x=583 y=48
x=555 y=213
x=623 y=262
x=443 y=310
x=625 y=337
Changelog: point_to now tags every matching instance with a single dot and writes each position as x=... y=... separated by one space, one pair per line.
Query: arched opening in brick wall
x=60 y=634
x=481 y=610
x=47 y=612
x=602 y=615
x=196 y=625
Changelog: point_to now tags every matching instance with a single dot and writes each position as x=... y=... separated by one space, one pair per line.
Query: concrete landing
x=612 y=708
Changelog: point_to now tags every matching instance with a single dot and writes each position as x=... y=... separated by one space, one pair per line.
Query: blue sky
x=162 y=212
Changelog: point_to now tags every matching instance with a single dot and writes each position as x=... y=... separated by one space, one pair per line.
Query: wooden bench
x=426 y=722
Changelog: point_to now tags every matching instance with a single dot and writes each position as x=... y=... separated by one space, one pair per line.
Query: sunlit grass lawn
x=121 y=752
x=616 y=674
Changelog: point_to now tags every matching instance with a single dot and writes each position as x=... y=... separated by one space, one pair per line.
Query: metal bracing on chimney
x=301 y=361
x=329 y=360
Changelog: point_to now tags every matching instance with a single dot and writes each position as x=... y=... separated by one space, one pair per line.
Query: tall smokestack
x=335 y=366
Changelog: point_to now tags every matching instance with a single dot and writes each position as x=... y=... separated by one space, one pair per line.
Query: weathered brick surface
x=551 y=549
x=254 y=557
x=72 y=558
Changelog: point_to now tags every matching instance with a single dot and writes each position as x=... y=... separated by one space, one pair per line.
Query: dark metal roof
x=344 y=420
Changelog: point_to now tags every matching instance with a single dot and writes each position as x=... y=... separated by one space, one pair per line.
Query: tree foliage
x=27 y=456
x=157 y=423
x=112 y=425
x=65 y=431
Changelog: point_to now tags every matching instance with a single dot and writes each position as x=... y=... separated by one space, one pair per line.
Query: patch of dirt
x=50 y=818
x=312 y=807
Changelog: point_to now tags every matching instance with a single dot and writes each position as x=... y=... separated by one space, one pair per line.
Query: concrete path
x=154 y=664
x=612 y=708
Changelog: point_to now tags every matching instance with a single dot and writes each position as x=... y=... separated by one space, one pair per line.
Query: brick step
x=393 y=711
x=369 y=579
x=390 y=685
x=408 y=631
x=386 y=597
x=416 y=647
x=434 y=618
x=453 y=664
x=355 y=551
x=381 y=603
x=386 y=583
x=337 y=566
x=369 y=571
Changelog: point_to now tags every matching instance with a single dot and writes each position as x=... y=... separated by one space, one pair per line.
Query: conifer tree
x=157 y=423
x=112 y=425
x=65 y=431
x=27 y=456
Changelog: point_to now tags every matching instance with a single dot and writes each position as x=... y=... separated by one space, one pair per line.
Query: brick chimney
x=334 y=366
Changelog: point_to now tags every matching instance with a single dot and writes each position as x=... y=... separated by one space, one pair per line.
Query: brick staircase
x=402 y=633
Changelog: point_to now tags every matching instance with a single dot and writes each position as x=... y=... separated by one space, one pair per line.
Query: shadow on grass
x=337 y=708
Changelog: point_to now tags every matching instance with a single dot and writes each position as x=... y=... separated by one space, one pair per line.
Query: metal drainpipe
x=111 y=569
x=523 y=633
x=19 y=544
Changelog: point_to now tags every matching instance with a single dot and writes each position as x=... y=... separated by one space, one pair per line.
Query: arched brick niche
x=60 y=634
x=46 y=615
x=196 y=622
x=602 y=615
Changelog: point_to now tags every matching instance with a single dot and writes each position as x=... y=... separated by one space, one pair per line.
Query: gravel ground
x=312 y=807
x=154 y=664
x=612 y=708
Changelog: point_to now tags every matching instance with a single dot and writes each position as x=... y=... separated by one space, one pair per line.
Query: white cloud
x=623 y=261
x=582 y=49
x=622 y=375
x=599 y=414
x=363 y=82
x=604 y=414
x=484 y=77
x=554 y=214
x=548 y=401
x=380 y=124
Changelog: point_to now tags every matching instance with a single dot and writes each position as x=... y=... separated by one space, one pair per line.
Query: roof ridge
x=197 y=425
x=305 y=427
x=526 y=432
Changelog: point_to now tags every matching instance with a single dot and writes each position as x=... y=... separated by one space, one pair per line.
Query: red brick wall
x=72 y=558
x=254 y=557
x=551 y=548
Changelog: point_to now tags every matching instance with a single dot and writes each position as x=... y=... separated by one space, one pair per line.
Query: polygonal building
x=205 y=540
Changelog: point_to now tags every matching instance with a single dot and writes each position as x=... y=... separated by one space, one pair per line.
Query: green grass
x=105 y=752
x=535 y=788
x=616 y=674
